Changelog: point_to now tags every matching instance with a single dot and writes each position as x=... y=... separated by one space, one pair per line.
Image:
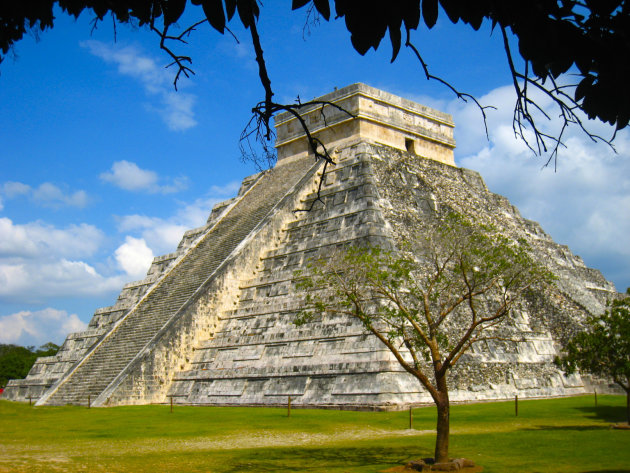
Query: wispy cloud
x=50 y=195
x=128 y=176
x=13 y=189
x=46 y=194
x=241 y=52
x=175 y=108
x=229 y=189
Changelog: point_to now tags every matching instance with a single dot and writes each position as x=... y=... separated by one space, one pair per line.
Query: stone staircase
x=176 y=288
x=259 y=356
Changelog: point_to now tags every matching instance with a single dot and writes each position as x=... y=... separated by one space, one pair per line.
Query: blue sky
x=103 y=165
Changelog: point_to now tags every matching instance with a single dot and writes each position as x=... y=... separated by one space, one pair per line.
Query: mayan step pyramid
x=213 y=322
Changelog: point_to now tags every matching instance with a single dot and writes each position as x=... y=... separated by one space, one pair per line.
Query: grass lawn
x=557 y=435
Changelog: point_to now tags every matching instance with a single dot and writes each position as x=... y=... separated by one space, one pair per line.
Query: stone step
x=176 y=287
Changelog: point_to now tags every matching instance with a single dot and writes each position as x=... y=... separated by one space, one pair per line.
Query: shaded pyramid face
x=380 y=196
x=213 y=322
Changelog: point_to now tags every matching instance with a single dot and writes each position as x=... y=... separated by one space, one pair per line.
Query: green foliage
x=446 y=290
x=603 y=349
x=450 y=287
x=553 y=36
x=16 y=361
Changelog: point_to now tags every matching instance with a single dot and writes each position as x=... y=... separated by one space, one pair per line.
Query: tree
x=575 y=52
x=16 y=361
x=429 y=302
x=603 y=349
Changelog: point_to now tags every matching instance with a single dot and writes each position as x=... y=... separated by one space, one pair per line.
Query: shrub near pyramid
x=213 y=323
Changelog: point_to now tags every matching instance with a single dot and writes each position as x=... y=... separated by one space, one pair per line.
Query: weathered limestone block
x=47 y=370
x=161 y=264
x=105 y=317
x=380 y=117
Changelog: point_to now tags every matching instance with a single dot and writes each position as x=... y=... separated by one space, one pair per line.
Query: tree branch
x=416 y=373
x=460 y=95
x=565 y=103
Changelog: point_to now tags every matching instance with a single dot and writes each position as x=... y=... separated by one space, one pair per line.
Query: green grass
x=558 y=435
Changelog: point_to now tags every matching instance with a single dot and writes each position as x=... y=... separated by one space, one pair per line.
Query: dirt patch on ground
x=289 y=439
x=57 y=457
x=426 y=465
x=404 y=469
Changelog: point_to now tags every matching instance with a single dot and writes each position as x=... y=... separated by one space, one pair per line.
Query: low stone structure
x=213 y=322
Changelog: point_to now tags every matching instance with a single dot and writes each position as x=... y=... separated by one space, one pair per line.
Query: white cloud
x=134 y=222
x=175 y=108
x=134 y=257
x=129 y=176
x=47 y=194
x=241 y=49
x=39 y=327
x=37 y=240
x=34 y=281
x=40 y=261
x=584 y=203
x=161 y=234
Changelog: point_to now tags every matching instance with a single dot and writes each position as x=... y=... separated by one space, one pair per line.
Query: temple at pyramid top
x=375 y=116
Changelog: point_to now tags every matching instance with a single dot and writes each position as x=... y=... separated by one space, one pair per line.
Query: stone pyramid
x=212 y=323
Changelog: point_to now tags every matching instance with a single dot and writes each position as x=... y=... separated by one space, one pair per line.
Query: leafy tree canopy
x=603 y=349
x=429 y=302
x=577 y=52
x=16 y=361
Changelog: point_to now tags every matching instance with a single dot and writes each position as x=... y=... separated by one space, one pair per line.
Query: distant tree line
x=16 y=361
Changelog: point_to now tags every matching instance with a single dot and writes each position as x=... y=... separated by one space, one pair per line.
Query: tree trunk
x=443 y=422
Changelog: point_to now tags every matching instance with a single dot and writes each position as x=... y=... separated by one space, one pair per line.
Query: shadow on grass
x=324 y=459
x=606 y=471
x=577 y=428
x=605 y=413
